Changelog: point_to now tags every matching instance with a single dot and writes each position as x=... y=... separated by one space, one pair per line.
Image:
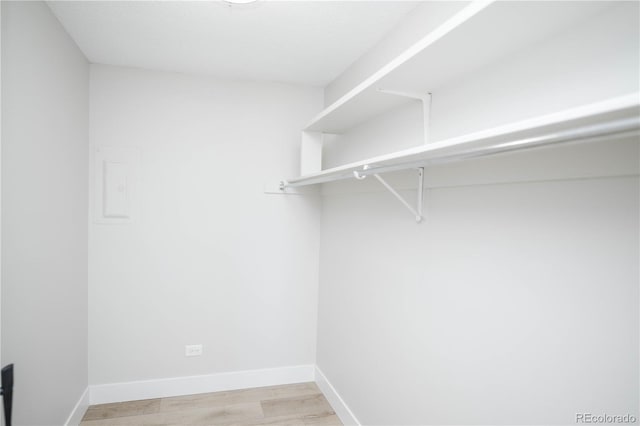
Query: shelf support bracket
x=425 y=99
x=417 y=212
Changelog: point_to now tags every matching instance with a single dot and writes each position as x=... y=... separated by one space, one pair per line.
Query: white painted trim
x=176 y=386
x=337 y=403
x=445 y=28
x=617 y=115
x=78 y=411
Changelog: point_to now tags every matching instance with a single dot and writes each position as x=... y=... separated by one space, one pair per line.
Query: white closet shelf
x=484 y=30
x=616 y=116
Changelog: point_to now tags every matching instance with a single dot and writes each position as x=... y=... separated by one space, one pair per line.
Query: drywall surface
x=1 y=410
x=45 y=100
x=296 y=42
x=591 y=60
x=516 y=301
x=207 y=258
x=420 y=21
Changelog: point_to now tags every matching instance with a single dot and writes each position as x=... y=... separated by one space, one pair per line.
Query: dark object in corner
x=7 y=392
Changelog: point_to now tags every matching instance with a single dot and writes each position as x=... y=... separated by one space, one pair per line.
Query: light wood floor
x=289 y=405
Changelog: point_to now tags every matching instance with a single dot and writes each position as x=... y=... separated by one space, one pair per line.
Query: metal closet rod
x=624 y=126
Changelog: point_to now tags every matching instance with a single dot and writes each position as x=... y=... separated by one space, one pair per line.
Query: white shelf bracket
x=417 y=212
x=426 y=107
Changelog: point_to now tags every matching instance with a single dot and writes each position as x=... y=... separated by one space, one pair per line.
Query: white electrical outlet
x=193 y=350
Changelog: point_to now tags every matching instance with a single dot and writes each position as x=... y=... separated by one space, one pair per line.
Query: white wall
x=424 y=18
x=45 y=88
x=516 y=301
x=513 y=303
x=209 y=258
x=587 y=62
x=1 y=410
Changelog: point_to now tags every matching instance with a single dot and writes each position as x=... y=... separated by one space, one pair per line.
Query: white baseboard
x=176 y=386
x=78 y=411
x=337 y=403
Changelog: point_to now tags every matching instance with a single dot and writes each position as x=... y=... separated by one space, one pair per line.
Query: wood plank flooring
x=300 y=404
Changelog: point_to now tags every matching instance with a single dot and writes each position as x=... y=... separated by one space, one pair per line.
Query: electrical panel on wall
x=115 y=186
